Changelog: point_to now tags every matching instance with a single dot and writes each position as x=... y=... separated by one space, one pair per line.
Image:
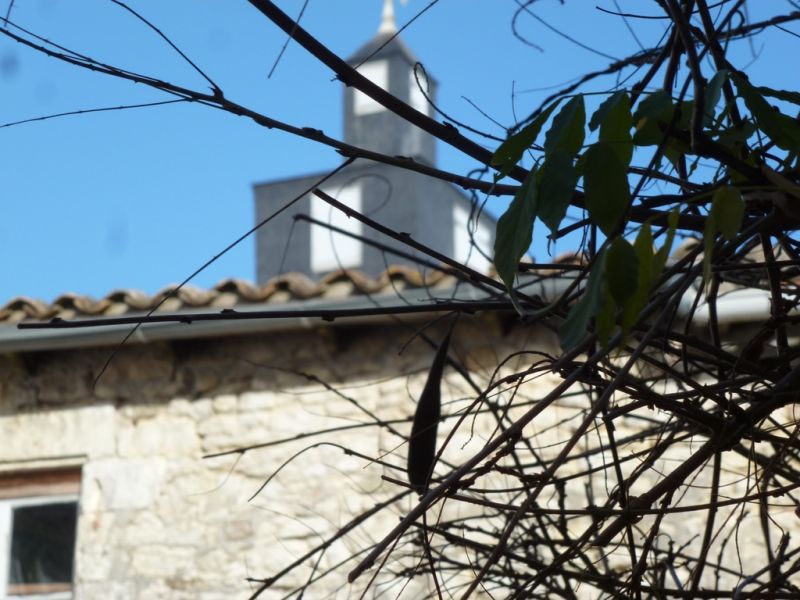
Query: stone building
x=112 y=468
x=123 y=455
x=199 y=458
x=212 y=455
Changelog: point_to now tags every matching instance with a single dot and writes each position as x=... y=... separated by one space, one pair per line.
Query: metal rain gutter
x=737 y=306
x=13 y=339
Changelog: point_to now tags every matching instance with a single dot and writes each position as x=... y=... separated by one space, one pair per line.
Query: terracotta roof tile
x=285 y=288
x=226 y=294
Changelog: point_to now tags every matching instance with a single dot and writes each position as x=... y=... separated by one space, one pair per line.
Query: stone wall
x=157 y=520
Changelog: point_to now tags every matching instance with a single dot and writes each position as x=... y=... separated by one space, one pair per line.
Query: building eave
x=13 y=339
x=736 y=307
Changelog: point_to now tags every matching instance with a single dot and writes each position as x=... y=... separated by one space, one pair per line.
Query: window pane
x=377 y=71
x=43 y=543
x=329 y=250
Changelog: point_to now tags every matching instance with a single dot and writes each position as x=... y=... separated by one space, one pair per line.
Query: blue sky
x=138 y=199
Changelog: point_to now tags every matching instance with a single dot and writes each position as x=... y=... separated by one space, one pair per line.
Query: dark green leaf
x=657 y=104
x=727 y=211
x=605 y=320
x=605 y=183
x=514 y=230
x=615 y=129
x=652 y=110
x=509 y=153
x=674 y=151
x=725 y=216
x=712 y=95
x=622 y=270
x=422 y=443
x=734 y=138
x=556 y=188
x=575 y=326
x=606 y=107
x=685 y=110
x=782 y=129
x=567 y=131
x=643 y=247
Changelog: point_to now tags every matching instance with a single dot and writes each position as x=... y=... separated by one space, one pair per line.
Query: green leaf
x=606 y=107
x=655 y=108
x=567 y=131
x=509 y=153
x=660 y=259
x=514 y=230
x=734 y=138
x=712 y=96
x=685 y=110
x=622 y=270
x=576 y=325
x=422 y=443
x=657 y=104
x=725 y=217
x=782 y=129
x=674 y=150
x=605 y=183
x=557 y=185
x=615 y=129
x=605 y=320
x=727 y=211
x=645 y=262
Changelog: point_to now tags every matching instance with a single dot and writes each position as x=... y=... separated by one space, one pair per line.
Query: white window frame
x=331 y=251
x=463 y=250
x=415 y=96
x=7 y=506
x=377 y=71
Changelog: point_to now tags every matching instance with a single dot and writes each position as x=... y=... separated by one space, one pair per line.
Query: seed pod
x=422 y=444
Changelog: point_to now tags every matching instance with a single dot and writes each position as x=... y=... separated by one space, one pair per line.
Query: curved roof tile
x=226 y=294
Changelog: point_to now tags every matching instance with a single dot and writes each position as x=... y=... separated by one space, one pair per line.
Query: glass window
x=42 y=547
x=331 y=250
x=377 y=71
x=38 y=522
x=464 y=249
x=415 y=96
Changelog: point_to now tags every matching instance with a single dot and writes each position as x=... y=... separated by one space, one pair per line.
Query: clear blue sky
x=139 y=199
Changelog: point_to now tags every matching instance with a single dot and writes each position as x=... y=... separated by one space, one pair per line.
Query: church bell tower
x=430 y=210
x=389 y=63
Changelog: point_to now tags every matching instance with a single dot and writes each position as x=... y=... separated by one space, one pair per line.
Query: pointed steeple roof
x=388 y=28
x=388 y=24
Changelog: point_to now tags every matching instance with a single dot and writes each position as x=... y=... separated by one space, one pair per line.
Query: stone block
x=167 y=590
x=104 y=590
x=145 y=527
x=198 y=409
x=63 y=381
x=163 y=435
x=162 y=561
x=85 y=430
x=116 y=484
x=225 y=403
x=94 y=556
x=256 y=401
x=220 y=426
